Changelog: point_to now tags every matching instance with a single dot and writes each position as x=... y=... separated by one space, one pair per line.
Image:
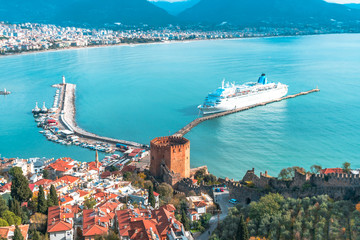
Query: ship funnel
x=262 y=79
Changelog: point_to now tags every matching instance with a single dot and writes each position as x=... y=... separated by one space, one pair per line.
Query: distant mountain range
x=174 y=8
x=84 y=12
x=245 y=12
x=135 y=12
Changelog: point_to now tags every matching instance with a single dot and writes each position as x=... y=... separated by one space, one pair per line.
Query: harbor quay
x=199 y=120
x=60 y=126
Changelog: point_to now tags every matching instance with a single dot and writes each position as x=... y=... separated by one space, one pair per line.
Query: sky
x=334 y=1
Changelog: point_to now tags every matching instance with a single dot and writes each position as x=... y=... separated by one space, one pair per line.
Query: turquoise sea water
x=144 y=91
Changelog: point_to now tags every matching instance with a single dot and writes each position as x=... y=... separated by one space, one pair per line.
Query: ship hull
x=246 y=100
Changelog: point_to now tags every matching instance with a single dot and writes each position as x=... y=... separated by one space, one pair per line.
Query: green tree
x=89 y=203
x=346 y=167
x=185 y=220
x=3 y=223
x=46 y=174
x=127 y=176
x=165 y=191
x=210 y=179
x=269 y=204
x=11 y=218
x=25 y=215
x=53 y=197
x=200 y=174
x=42 y=203
x=151 y=198
x=289 y=173
x=17 y=234
x=315 y=169
x=20 y=185
x=36 y=236
x=14 y=206
x=15 y=171
x=242 y=230
x=3 y=205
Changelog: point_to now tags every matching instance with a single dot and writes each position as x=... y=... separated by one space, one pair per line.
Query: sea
x=139 y=92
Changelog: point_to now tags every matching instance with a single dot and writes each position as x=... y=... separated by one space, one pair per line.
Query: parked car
x=233 y=201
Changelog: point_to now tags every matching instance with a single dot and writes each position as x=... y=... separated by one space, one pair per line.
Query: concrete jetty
x=197 y=121
x=66 y=118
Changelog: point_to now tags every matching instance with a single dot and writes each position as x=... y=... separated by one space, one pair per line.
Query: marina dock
x=59 y=124
x=199 y=120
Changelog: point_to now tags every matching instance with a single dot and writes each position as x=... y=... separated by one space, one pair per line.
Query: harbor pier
x=199 y=120
x=67 y=119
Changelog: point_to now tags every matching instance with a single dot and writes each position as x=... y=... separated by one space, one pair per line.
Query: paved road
x=222 y=198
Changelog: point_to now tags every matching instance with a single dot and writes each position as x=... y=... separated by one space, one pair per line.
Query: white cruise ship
x=231 y=96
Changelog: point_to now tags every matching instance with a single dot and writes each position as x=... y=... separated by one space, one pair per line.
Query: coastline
x=164 y=42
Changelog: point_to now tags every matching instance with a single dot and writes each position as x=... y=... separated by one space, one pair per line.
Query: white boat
x=231 y=96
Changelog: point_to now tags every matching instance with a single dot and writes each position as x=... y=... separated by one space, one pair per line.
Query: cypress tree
x=15 y=207
x=3 y=206
x=36 y=236
x=17 y=234
x=42 y=204
x=20 y=186
x=53 y=198
x=185 y=220
x=242 y=231
x=151 y=199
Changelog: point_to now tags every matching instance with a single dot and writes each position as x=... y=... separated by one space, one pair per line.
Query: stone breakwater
x=66 y=118
x=197 y=121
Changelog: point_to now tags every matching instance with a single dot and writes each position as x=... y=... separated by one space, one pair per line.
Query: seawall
x=197 y=121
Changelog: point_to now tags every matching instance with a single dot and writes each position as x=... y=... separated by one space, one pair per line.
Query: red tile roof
x=92 y=166
x=4 y=231
x=61 y=165
x=67 y=179
x=156 y=194
x=58 y=219
x=128 y=168
x=331 y=170
x=136 y=223
x=200 y=204
x=6 y=187
x=43 y=182
x=96 y=221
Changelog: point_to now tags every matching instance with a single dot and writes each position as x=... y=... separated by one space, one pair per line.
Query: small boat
x=5 y=92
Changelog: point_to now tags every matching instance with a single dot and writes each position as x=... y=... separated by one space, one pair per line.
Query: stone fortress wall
x=336 y=186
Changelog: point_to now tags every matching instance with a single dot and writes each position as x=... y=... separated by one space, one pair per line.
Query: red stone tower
x=174 y=152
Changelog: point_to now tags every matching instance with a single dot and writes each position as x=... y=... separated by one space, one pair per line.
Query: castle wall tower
x=174 y=152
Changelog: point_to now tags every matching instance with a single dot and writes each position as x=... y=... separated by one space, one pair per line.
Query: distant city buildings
x=15 y=38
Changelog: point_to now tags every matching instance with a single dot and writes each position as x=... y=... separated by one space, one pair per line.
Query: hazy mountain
x=91 y=12
x=245 y=12
x=174 y=8
x=353 y=5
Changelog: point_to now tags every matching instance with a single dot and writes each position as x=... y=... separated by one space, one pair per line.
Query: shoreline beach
x=160 y=42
